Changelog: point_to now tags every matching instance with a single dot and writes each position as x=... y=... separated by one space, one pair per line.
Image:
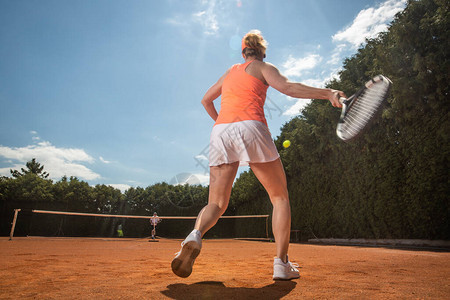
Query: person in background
x=154 y=221
x=119 y=230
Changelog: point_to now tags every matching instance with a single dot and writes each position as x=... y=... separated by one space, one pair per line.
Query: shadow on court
x=218 y=290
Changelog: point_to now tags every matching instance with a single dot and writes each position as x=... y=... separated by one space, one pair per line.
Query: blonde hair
x=254 y=44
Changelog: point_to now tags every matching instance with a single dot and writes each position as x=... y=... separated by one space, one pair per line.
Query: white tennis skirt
x=246 y=141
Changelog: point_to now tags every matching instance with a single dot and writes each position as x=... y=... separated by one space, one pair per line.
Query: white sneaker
x=284 y=271
x=190 y=249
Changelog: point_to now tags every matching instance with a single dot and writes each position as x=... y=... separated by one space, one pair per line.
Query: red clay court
x=89 y=268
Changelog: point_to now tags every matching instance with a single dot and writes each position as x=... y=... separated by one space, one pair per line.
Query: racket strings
x=366 y=106
x=363 y=108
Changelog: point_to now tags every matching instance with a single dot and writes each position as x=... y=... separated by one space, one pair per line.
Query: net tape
x=137 y=217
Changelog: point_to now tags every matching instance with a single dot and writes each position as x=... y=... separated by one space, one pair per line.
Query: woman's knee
x=220 y=206
x=282 y=199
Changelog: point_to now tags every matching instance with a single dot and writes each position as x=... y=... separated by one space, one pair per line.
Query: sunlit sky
x=110 y=91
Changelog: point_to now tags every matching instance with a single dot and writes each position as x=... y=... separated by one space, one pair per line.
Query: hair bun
x=254 y=40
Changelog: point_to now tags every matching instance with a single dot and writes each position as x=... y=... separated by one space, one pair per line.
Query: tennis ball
x=286 y=143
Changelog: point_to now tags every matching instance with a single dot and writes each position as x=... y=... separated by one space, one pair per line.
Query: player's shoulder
x=268 y=64
x=261 y=65
x=267 y=67
x=231 y=68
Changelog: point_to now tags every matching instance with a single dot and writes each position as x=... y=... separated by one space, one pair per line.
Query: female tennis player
x=240 y=136
x=154 y=221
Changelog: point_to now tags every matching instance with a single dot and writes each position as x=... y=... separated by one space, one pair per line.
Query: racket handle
x=341 y=99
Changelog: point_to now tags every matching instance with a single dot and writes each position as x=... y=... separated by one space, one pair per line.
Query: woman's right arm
x=212 y=94
x=298 y=90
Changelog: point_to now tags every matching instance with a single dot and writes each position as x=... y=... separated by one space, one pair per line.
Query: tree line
x=32 y=190
x=392 y=182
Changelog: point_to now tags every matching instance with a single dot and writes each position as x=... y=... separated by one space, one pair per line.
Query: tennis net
x=79 y=224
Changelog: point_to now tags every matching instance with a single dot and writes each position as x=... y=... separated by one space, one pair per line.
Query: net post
x=11 y=233
x=267 y=227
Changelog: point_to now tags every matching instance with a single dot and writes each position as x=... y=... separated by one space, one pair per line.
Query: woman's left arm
x=212 y=94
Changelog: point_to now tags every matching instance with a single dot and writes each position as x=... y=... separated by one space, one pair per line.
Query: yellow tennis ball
x=286 y=143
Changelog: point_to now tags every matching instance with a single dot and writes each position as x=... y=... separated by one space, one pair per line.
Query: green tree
x=33 y=167
x=393 y=181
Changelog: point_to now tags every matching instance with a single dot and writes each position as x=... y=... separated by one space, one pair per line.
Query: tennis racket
x=362 y=107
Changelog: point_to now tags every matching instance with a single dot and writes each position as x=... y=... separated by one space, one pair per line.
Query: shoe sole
x=183 y=262
x=285 y=279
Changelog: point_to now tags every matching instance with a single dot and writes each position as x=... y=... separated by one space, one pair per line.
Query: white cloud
x=336 y=56
x=199 y=14
x=207 y=18
x=190 y=178
x=294 y=67
x=369 y=22
x=297 y=107
x=204 y=179
x=120 y=186
x=56 y=161
x=104 y=161
x=35 y=136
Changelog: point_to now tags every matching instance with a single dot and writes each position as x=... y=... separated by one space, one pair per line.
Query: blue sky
x=109 y=91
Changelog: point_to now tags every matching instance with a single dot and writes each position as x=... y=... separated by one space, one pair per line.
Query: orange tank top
x=243 y=97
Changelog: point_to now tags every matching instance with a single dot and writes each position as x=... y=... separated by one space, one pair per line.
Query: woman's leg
x=272 y=177
x=220 y=184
